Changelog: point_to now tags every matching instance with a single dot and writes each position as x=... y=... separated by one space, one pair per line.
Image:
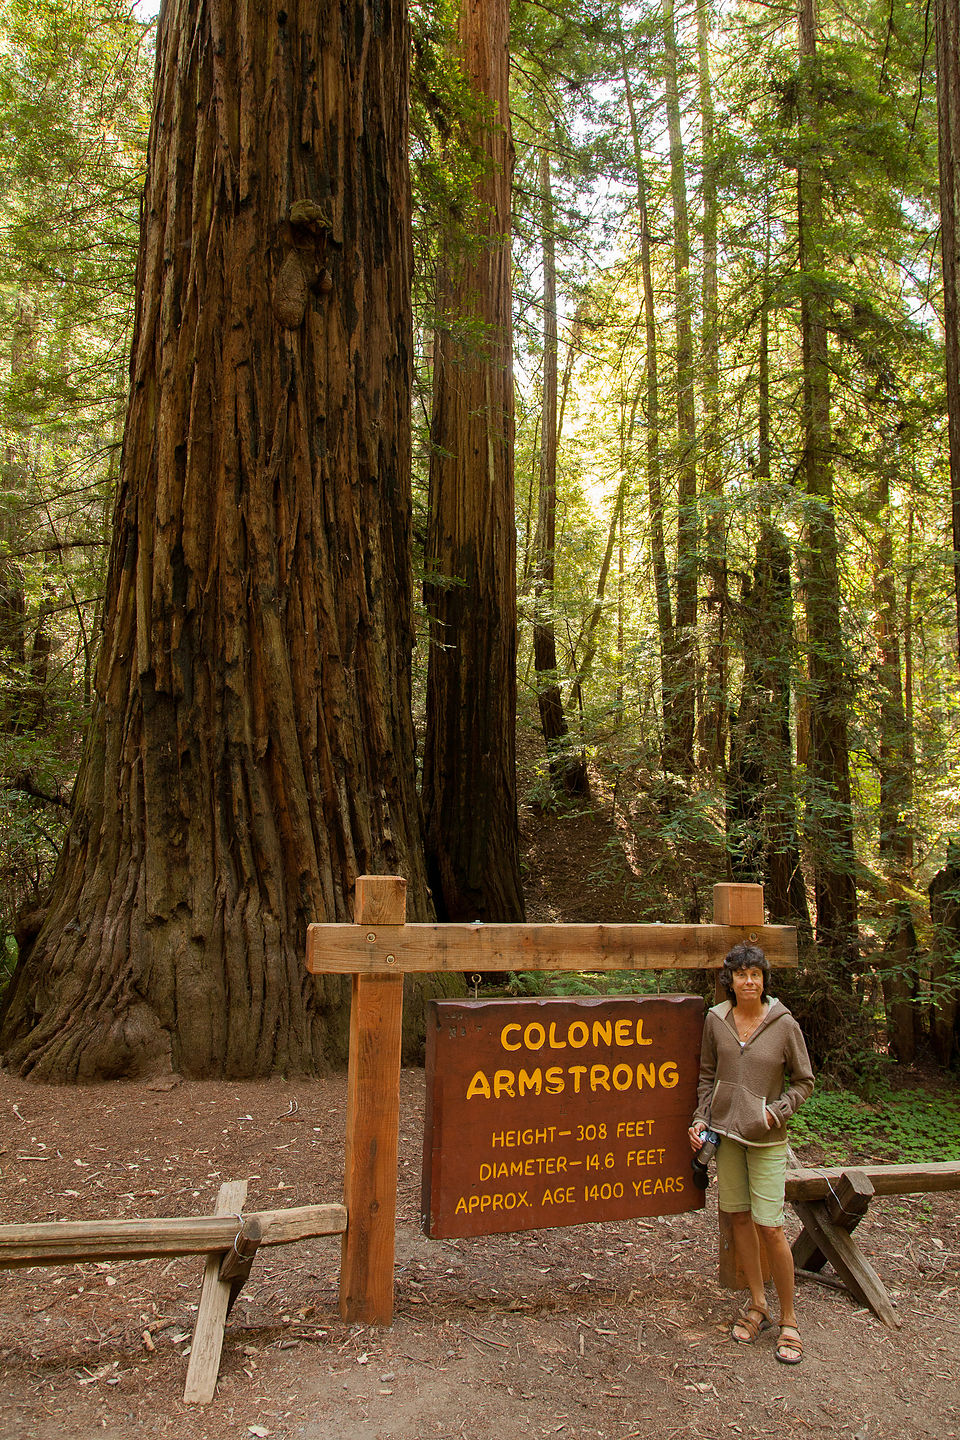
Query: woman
x=751 y=1043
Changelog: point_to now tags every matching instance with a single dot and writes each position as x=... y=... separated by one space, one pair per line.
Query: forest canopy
x=698 y=249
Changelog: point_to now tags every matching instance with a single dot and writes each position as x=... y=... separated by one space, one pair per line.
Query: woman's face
x=748 y=984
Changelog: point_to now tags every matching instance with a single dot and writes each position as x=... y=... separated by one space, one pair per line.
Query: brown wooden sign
x=555 y=1112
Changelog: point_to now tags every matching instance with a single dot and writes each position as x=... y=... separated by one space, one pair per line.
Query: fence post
x=373 y=1118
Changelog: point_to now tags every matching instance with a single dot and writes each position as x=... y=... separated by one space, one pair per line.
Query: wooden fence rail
x=68 y=1242
x=832 y=1202
x=803 y=1184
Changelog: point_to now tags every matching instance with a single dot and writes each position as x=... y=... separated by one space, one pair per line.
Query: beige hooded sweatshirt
x=739 y=1081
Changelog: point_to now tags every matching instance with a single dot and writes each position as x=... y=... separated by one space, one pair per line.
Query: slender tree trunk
x=469 y=763
x=251 y=747
x=15 y=482
x=671 y=674
x=763 y=380
x=686 y=611
x=901 y=981
x=947 y=26
x=713 y=719
x=829 y=809
x=621 y=617
x=910 y=756
x=591 y=639
x=573 y=345
x=785 y=886
x=901 y=978
x=761 y=802
x=944 y=892
x=568 y=772
x=761 y=788
x=896 y=780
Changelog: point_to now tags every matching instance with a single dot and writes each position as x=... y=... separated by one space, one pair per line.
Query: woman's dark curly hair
x=744 y=957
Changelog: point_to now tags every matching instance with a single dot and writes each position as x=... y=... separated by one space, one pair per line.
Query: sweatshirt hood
x=775 y=1010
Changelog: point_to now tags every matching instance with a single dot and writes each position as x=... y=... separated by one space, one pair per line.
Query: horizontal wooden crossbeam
x=886 y=1179
x=67 y=1242
x=402 y=949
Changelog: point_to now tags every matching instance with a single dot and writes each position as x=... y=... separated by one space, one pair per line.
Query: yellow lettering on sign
x=634 y=1129
x=561 y=1196
x=602 y=1032
x=500 y=1200
x=623 y=1033
x=513 y=1085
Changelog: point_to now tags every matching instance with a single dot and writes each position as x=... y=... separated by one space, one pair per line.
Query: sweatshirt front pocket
x=738 y=1111
x=753 y=1121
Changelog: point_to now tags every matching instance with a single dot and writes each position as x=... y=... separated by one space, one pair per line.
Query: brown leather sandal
x=754 y=1321
x=792 y=1342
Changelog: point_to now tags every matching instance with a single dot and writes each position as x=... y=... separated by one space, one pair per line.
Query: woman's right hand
x=696 y=1135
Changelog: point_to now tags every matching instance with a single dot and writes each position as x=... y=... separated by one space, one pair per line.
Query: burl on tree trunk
x=251 y=748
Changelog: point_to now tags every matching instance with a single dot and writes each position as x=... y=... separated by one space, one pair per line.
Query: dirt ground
x=615 y=1332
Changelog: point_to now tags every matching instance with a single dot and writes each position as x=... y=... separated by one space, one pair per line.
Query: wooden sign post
x=373 y=1116
x=379 y=948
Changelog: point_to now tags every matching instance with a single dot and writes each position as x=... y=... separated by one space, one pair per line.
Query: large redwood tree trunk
x=469 y=762
x=251 y=746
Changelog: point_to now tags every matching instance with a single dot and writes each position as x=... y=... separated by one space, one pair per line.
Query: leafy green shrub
x=891 y=1126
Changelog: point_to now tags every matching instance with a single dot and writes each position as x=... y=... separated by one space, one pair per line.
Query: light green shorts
x=752 y=1177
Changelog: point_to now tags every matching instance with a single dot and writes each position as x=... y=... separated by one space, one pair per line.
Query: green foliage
x=576 y=982
x=886 y=1123
x=74 y=102
x=75 y=82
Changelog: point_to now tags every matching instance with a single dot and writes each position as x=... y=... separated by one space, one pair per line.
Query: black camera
x=703 y=1157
